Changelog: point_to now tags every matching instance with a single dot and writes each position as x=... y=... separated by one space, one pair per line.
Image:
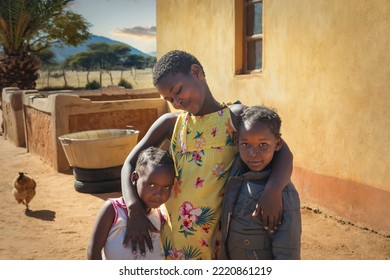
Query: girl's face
x=184 y=91
x=257 y=145
x=155 y=185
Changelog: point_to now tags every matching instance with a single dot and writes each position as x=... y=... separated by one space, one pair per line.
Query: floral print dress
x=203 y=148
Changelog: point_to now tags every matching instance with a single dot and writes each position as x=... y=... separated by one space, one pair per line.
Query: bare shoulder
x=169 y=117
x=167 y=122
x=159 y=131
x=236 y=108
x=106 y=212
x=107 y=206
x=236 y=111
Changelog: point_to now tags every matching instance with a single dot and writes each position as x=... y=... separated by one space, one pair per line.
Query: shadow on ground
x=45 y=215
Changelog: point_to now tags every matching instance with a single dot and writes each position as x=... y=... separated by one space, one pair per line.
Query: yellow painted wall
x=326 y=70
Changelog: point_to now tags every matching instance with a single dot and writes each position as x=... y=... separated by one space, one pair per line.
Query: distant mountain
x=63 y=52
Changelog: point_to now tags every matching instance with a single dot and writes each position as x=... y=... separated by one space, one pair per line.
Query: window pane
x=254 y=19
x=255 y=50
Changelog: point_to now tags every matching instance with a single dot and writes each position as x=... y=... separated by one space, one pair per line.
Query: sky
x=129 y=21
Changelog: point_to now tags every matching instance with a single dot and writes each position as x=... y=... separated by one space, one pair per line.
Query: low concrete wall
x=48 y=116
x=111 y=93
x=13 y=119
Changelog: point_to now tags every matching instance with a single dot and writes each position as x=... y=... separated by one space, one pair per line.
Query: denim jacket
x=243 y=189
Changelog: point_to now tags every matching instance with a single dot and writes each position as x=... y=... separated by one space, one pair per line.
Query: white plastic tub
x=98 y=148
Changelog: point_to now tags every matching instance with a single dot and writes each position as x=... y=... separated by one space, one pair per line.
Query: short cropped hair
x=174 y=62
x=268 y=116
x=153 y=157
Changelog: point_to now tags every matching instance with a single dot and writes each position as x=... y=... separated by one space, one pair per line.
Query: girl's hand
x=270 y=204
x=271 y=208
x=137 y=229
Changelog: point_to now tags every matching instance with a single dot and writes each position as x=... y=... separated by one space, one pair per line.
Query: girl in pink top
x=153 y=178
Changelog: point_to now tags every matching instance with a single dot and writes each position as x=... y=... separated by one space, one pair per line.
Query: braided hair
x=152 y=157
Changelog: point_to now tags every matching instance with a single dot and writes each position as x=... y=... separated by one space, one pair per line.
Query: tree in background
x=28 y=27
x=102 y=56
x=150 y=61
x=108 y=56
x=47 y=58
x=134 y=62
x=81 y=61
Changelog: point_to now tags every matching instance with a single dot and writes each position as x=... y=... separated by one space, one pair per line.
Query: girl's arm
x=138 y=225
x=270 y=203
x=101 y=228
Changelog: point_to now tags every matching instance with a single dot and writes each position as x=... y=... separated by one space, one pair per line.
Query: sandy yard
x=59 y=225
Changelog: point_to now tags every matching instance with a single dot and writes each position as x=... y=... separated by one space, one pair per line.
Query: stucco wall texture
x=12 y=111
x=49 y=117
x=326 y=69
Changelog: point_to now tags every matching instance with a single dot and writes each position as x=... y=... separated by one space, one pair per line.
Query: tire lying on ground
x=97 y=175
x=97 y=187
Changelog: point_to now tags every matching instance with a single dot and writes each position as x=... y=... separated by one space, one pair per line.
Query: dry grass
x=78 y=79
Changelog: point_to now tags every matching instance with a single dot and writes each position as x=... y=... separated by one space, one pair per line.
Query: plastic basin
x=98 y=148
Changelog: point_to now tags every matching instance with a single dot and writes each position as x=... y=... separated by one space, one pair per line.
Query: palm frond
x=191 y=253
x=167 y=247
x=207 y=216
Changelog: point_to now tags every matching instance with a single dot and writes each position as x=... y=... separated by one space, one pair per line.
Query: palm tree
x=27 y=27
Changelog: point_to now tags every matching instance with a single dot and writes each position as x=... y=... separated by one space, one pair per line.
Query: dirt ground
x=59 y=224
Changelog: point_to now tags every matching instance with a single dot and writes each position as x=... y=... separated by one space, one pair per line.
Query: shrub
x=93 y=85
x=56 y=75
x=125 y=84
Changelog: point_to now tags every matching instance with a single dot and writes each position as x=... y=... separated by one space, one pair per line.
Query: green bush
x=125 y=84
x=93 y=85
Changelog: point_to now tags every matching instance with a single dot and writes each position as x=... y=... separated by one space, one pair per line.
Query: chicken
x=24 y=189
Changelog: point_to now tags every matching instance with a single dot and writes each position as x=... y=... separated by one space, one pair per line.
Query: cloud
x=137 y=32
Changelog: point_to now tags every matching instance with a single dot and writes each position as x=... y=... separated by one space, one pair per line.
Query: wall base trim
x=362 y=205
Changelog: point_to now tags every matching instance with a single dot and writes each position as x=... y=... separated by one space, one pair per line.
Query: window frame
x=246 y=40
